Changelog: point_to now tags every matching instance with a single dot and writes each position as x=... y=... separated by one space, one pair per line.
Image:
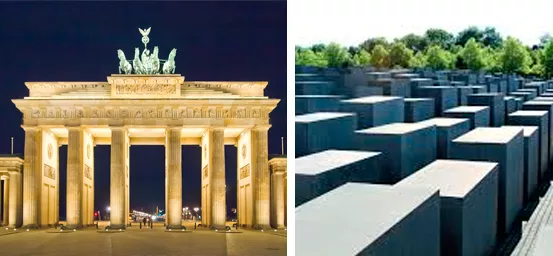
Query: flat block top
x=521 y=93
x=314 y=82
x=319 y=96
x=454 y=178
x=365 y=211
x=493 y=135
x=437 y=87
x=320 y=116
x=486 y=94
x=509 y=98
x=529 y=113
x=466 y=109
x=444 y=121
x=419 y=79
x=528 y=131
x=543 y=99
x=395 y=128
x=417 y=99
x=330 y=159
x=372 y=99
x=537 y=102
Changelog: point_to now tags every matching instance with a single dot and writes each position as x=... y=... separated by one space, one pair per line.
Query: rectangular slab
x=519 y=101
x=406 y=220
x=504 y=146
x=390 y=87
x=317 y=103
x=314 y=87
x=541 y=120
x=418 y=109
x=494 y=101
x=526 y=96
x=531 y=160
x=510 y=105
x=462 y=93
x=539 y=86
x=445 y=97
x=447 y=129
x=479 y=116
x=321 y=172
x=400 y=144
x=313 y=130
x=543 y=106
x=375 y=110
x=468 y=201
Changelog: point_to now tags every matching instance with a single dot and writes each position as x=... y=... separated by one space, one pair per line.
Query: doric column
x=217 y=179
x=15 y=198
x=260 y=178
x=6 y=195
x=74 y=177
x=278 y=198
x=117 y=177
x=31 y=173
x=173 y=155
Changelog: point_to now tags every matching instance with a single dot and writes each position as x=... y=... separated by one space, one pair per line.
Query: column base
x=219 y=227
x=261 y=226
x=117 y=226
x=30 y=226
x=175 y=227
x=73 y=226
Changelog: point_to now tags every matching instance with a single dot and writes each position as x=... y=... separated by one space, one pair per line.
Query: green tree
x=362 y=58
x=440 y=37
x=492 y=59
x=438 y=58
x=414 y=42
x=491 y=38
x=336 y=55
x=400 y=55
x=309 y=58
x=472 y=55
x=468 y=33
x=318 y=48
x=418 y=61
x=370 y=43
x=514 y=57
x=547 y=58
x=380 y=57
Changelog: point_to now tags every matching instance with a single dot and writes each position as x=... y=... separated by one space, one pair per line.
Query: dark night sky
x=215 y=41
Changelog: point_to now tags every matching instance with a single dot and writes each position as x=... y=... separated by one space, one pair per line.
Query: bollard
x=194 y=225
x=140 y=225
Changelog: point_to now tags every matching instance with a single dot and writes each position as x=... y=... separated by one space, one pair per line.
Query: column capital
x=4 y=177
x=217 y=127
x=261 y=127
x=117 y=128
x=77 y=128
x=30 y=128
x=174 y=127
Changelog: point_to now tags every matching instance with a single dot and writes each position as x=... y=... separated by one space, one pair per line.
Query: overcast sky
x=350 y=22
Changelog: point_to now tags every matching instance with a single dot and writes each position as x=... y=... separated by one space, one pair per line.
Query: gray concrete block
x=510 y=105
x=526 y=96
x=375 y=110
x=531 y=161
x=462 y=93
x=447 y=129
x=543 y=245
x=494 y=101
x=539 y=86
x=390 y=87
x=400 y=144
x=317 y=103
x=541 y=120
x=378 y=75
x=445 y=97
x=418 y=109
x=543 y=106
x=313 y=132
x=405 y=222
x=468 y=202
x=314 y=87
x=324 y=171
x=519 y=101
x=479 y=116
x=419 y=82
x=506 y=147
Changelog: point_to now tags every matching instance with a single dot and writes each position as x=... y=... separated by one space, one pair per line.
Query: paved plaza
x=142 y=242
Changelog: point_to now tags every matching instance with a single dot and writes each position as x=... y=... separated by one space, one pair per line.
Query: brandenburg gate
x=144 y=108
